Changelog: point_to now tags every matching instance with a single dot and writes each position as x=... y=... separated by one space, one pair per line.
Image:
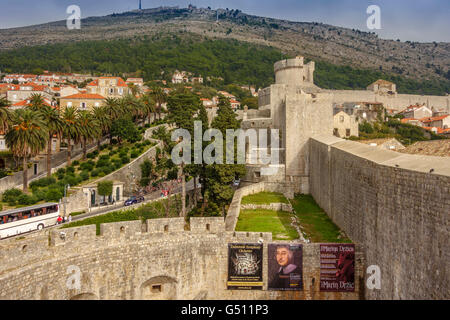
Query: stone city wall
x=159 y=259
x=396 y=205
x=396 y=102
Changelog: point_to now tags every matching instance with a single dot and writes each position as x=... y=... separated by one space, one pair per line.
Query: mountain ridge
x=316 y=41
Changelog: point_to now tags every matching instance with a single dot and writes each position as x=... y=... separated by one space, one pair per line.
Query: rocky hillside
x=317 y=41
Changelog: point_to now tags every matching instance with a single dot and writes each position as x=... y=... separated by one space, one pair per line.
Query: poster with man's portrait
x=337 y=267
x=285 y=267
x=245 y=266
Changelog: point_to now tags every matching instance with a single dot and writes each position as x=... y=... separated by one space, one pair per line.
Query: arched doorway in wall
x=84 y=296
x=159 y=288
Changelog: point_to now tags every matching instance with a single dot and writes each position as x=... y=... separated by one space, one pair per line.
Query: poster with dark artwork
x=245 y=266
x=337 y=267
x=285 y=267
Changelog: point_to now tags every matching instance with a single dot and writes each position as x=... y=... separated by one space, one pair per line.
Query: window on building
x=341 y=118
x=83 y=105
x=347 y=132
x=111 y=90
x=336 y=132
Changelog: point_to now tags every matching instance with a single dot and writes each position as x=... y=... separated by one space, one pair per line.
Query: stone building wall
x=392 y=205
x=129 y=258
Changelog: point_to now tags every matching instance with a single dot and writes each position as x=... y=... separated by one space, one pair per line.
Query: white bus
x=20 y=220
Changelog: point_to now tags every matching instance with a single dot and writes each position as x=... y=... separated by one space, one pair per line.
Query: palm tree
x=36 y=102
x=148 y=106
x=26 y=137
x=104 y=123
x=160 y=97
x=55 y=126
x=71 y=130
x=90 y=129
x=113 y=108
x=132 y=105
x=5 y=114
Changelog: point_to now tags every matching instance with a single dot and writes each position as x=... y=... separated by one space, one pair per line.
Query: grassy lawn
x=152 y=210
x=315 y=222
x=264 y=198
x=267 y=221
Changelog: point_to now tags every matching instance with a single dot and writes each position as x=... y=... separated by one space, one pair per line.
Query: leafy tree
x=105 y=188
x=219 y=177
x=124 y=129
x=26 y=138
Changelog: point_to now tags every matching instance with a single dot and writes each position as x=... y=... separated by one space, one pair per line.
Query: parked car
x=133 y=200
x=236 y=182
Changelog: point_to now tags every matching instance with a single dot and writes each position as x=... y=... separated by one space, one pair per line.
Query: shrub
x=43 y=182
x=105 y=188
x=95 y=172
x=25 y=199
x=53 y=195
x=106 y=170
x=114 y=141
x=102 y=163
x=84 y=175
x=92 y=155
x=103 y=147
x=134 y=154
x=61 y=171
x=71 y=180
x=86 y=166
x=104 y=157
x=76 y=163
x=39 y=194
x=70 y=169
x=11 y=195
x=125 y=160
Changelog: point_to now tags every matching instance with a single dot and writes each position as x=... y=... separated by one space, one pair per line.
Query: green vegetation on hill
x=234 y=61
x=331 y=76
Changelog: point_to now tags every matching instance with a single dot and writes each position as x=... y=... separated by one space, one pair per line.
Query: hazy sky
x=414 y=20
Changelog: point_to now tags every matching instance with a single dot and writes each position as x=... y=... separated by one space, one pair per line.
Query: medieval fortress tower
x=300 y=110
x=395 y=207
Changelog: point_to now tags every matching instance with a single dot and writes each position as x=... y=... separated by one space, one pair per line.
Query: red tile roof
x=26 y=103
x=431 y=119
x=84 y=96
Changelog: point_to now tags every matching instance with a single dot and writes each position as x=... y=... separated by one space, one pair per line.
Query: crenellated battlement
x=20 y=251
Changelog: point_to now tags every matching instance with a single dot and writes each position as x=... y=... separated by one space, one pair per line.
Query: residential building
x=235 y=104
x=345 y=125
x=442 y=122
x=362 y=111
x=417 y=112
x=383 y=87
x=139 y=82
x=26 y=103
x=82 y=101
x=17 y=93
x=109 y=87
x=20 y=78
